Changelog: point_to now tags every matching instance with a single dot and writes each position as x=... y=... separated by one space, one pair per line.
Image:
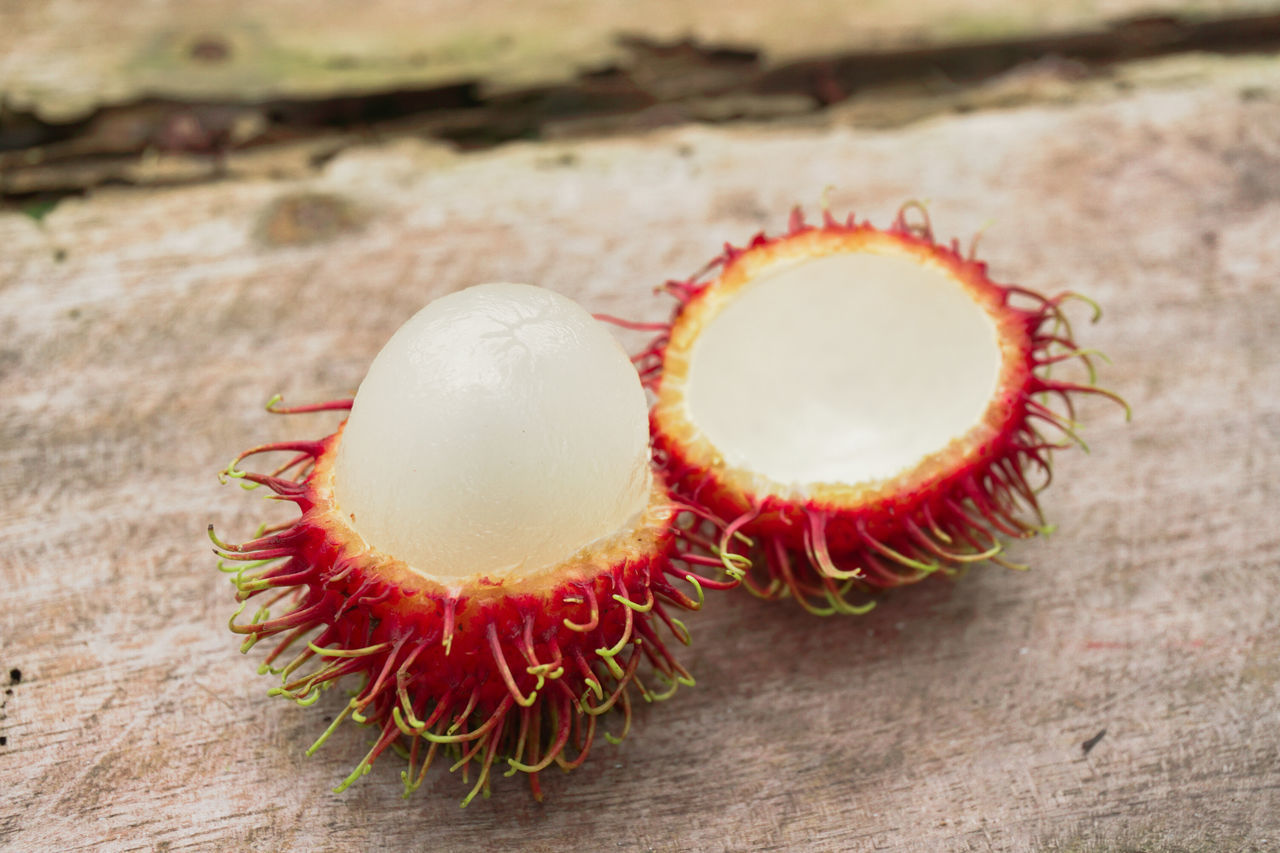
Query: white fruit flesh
x=501 y=430
x=848 y=368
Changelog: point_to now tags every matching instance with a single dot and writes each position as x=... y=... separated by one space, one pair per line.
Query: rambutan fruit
x=482 y=547
x=866 y=405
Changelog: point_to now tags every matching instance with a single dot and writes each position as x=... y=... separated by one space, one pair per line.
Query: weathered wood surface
x=61 y=60
x=140 y=332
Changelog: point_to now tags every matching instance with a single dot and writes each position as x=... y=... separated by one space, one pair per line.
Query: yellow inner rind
x=674 y=421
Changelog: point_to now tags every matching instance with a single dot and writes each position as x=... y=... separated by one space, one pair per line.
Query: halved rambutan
x=482 y=546
x=867 y=405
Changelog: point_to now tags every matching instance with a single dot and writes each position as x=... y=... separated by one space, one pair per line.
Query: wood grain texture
x=140 y=333
x=62 y=59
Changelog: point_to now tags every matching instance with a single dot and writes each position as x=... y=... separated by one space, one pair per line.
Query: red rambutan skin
x=948 y=511
x=508 y=670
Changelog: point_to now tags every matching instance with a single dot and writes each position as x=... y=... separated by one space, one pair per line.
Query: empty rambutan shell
x=482 y=550
x=865 y=406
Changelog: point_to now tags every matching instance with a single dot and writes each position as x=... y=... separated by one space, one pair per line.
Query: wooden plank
x=61 y=60
x=140 y=332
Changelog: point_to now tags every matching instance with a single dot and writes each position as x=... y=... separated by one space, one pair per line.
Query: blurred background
x=95 y=93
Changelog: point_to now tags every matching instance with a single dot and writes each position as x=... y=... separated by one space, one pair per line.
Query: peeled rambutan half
x=866 y=405
x=482 y=550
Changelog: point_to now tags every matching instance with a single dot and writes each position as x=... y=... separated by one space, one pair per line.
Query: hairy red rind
x=952 y=509
x=511 y=672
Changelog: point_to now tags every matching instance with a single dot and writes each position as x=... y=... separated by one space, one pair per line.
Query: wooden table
x=142 y=330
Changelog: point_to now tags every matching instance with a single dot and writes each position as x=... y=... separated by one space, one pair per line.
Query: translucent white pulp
x=848 y=368
x=500 y=430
